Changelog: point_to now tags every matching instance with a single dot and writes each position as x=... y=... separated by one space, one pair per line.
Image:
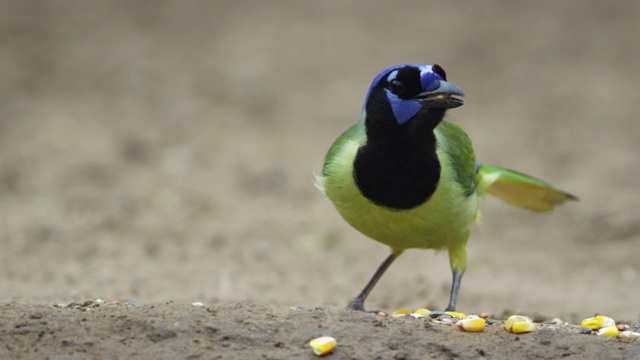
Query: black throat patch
x=396 y=176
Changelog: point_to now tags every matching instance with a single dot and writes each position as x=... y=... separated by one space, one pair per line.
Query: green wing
x=520 y=189
x=356 y=132
x=459 y=150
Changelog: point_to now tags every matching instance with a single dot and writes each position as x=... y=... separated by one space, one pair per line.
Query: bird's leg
x=458 y=262
x=358 y=302
x=455 y=287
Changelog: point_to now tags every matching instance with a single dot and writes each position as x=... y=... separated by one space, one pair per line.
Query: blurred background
x=165 y=150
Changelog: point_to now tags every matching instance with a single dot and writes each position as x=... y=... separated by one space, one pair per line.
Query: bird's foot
x=436 y=314
x=358 y=305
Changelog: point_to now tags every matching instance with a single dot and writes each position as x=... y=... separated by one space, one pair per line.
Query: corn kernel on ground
x=521 y=327
x=598 y=322
x=610 y=330
x=630 y=334
x=515 y=318
x=401 y=312
x=323 y=345
x=475 y=324
x=422 y=311
x=454 y=314
x=519 y=324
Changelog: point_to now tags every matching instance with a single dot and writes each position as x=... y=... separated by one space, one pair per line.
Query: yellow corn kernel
x=610 y=330
x=472 y=325
x=323 y=345
x=516 y=318
x=597 y=322
x=521 y=327
x=422 y=311
x=401 y=312
x=629 y=334
x=456 y=314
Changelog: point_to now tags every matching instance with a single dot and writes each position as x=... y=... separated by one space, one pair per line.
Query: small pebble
x=557 y=321
x=585 y=330
x=99 y=301
x=115 y=302
x=380 y=313
x=623 y=327
x=197 y=303
x=446 y=321
x=416 y=316
x=130 y=303
x=484 y=315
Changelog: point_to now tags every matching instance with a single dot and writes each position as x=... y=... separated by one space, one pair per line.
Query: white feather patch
x=319 y=182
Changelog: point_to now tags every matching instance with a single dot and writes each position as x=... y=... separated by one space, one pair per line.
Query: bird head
x=407 y=93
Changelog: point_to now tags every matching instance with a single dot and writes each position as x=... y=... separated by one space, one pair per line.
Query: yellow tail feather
x=519 y=189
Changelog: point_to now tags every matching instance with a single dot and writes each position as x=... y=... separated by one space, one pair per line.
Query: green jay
x=407 y=178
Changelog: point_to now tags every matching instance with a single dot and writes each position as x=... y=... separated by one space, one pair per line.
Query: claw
x=358 y=305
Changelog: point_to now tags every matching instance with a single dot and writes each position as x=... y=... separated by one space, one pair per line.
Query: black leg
x=455 y=287
x=358 y=302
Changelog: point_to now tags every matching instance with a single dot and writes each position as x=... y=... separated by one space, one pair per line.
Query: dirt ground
x=162 y=153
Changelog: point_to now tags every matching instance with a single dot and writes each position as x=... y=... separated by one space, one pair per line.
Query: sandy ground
x=155 y=152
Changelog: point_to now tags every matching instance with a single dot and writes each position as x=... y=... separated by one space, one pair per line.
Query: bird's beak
x=441 y=97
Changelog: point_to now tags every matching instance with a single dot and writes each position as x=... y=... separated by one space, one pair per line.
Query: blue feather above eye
x=430 y=81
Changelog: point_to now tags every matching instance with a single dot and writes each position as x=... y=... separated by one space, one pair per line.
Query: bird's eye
x=396 y=86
